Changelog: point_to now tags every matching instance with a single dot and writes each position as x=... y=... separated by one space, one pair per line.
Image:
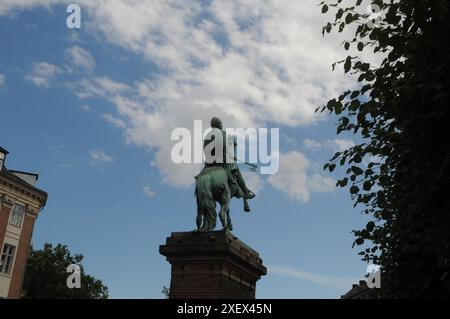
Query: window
x=7 y=259
x=17 y=215
x=2 y=159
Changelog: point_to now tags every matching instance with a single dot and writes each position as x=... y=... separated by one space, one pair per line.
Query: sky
x=92 y=110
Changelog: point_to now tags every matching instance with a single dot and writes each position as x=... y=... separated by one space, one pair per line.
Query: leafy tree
x=46 y=276
x=166 y=292
x=400 y=173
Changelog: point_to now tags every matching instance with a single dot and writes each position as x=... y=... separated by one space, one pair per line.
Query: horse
x=212 y=185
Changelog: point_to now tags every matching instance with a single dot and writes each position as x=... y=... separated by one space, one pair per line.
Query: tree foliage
x=166 y=292
x=46 y=276
x=400 y=173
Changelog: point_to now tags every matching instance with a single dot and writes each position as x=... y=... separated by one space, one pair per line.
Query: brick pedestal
x=211 y=265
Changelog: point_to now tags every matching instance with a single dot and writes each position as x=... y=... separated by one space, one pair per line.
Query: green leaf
x=356 y=170
x=370 y=76
x=354 y=105
x=348 y=18
x=336 y=155
x=354 y=189
x=345 y=120
x=331 y=104
x=347 y=64
x=343 y=182
x=364 y=67
x=338 y=107
x=357 y=159
x=365 y=88
x=365 y=233
x=367 y=186
x=360 y=46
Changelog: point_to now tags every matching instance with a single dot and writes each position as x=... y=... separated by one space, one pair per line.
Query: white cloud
x=312 y=144
x=342 y=144
x=254 y=181
x=7 y=6
x=2 y=80
x=239 y=55
x=318 y=279
x=74 y=37
x=100 y=87
x=85 y=107
x=297 y=180
x=66 y=165
x=80 y=57
x=99 y=157
x=334 y=145
x=111 y=86
x=43 y=73
x=149 y=192
x=114 y=120
x=249 y=62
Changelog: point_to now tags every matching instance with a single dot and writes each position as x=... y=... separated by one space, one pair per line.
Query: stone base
x=211 y=265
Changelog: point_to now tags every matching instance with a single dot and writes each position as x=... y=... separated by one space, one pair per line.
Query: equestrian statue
x=220 y=180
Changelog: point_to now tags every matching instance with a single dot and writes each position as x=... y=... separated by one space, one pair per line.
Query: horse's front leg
x=246 y=206
x=230 y=226
x=223 y=217
x=225 y=208
x=199 y=220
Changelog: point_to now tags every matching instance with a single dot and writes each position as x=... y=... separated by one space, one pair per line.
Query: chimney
x=3 y=154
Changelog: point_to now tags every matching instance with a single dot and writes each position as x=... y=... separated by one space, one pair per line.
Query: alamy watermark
x=374 y=19
x=190 y=147
x=74 y=279
x=73 y=21
x=373 y=276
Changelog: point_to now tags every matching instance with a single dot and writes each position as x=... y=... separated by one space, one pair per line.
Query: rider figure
x=228 y=160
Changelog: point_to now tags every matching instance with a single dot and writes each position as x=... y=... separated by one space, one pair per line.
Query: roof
x=358 y=291
x=24 y=173
x=9 y=175
x=3 y=150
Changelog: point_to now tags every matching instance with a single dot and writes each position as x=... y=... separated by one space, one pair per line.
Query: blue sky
x=91 y=110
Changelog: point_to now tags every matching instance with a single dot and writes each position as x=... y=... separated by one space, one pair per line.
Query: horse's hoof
x=249 y=195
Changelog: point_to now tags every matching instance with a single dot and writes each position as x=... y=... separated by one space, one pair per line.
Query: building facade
x=20 y=204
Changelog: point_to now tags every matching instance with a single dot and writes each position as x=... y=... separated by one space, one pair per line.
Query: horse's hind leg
x=199 y=219
x=210 y=215
x=225 y=207
x=213 y=215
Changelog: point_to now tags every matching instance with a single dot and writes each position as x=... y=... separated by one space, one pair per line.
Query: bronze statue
x=219 y=181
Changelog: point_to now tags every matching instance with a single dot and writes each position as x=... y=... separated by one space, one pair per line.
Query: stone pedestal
x=211 y=265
